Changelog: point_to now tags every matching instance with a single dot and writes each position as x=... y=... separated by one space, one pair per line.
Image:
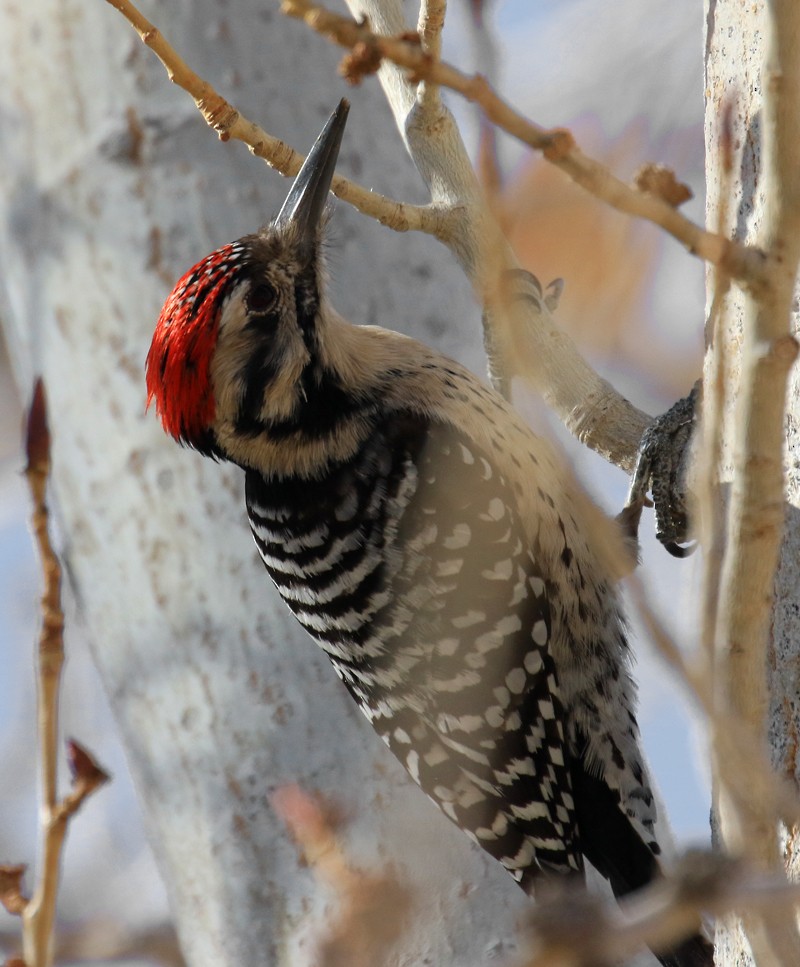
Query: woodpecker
x=427 y=540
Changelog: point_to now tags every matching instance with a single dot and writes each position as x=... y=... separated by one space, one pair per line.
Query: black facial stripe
x=261 y=369
x=326 y=404
x=263 y=322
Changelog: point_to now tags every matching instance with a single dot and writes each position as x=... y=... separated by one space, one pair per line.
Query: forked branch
x=558 y=146
x=229 y=123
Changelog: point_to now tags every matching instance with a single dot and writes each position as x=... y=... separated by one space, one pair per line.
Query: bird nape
x=428 y=541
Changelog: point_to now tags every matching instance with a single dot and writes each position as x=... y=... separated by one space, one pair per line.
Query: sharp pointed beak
x=307 y=197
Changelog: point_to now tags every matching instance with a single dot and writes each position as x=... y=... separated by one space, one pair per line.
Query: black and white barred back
x=408 y=564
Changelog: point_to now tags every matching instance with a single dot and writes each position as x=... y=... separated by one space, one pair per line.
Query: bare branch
x=38 y=914
x=519 y=329
x=431 y=24
x=229 y=123
x=558 y=146
x=429 y=31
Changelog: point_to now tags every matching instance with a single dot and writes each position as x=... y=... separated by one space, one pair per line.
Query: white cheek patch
x=233 y=314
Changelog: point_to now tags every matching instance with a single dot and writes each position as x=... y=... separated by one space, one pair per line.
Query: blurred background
x=627 y=78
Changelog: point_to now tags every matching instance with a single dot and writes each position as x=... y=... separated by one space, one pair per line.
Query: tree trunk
x=736 y=39
x=112 y=187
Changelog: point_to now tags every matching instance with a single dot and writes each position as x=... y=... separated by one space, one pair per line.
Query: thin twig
x=38 y=914
x=558 y=146
x=229 y=123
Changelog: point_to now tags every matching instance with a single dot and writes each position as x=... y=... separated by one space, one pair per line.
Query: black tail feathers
x=616 y=850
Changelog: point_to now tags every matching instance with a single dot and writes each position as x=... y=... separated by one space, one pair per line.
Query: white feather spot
x=448 y=646
x=449 y=810
x=497 y=509
x=503 y=696
x=523 y=858
x=465 y=680
x=537 y=586
x=532 y=810
x=466 y=723
x=460 y=537
x=500 y=572
x=539 y=633
x=516 y=680
x=533 y=663
x=469 y=619
x=435 y=756
x=494 y=716
x=488 y=641
x=509 y=624
x=500 y=824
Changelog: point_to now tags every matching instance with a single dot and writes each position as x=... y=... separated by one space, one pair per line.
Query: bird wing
x=409 y=565
x=482 y=727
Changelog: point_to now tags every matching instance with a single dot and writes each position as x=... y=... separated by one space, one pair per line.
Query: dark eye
x=262 y=298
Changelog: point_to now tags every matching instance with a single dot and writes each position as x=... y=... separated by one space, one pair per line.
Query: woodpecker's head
x=235 y=352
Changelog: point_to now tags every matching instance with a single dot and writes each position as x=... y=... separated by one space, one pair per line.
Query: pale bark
x=112 y=185
x=757 y=640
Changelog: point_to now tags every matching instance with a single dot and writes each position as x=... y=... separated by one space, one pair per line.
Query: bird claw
x=662 y=464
